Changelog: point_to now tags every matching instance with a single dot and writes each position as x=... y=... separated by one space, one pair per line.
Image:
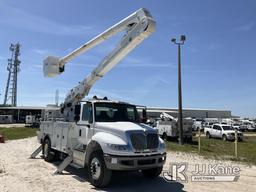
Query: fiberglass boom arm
x=137 y=27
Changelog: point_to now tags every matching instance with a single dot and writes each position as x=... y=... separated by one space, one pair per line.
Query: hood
x=123 y=126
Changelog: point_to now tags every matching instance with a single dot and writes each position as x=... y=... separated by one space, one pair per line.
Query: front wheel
x=99 y=174
x=47 y=151
x=164 y=136
x=208 y=136
x=224 y=137
x=240 y=139
x=151 y=173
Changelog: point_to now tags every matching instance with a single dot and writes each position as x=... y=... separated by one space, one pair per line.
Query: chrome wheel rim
x=95 y=168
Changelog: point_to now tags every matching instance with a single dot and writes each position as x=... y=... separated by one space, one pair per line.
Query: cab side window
x=87 y=112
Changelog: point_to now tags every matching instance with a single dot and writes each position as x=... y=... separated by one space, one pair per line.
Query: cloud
x=131 y=62
x=22 y=19
x=136 y=62
x=149 y=65
x=37 y=66
x=32 y=68
x=84 y=65
x=43 y=98
x=246 y=27
x=2 y=58
x=41 y=51
x=214 y=46
x=194 y=50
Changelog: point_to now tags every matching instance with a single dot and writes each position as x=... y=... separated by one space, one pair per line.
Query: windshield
x=112 y=112
x=226 y=128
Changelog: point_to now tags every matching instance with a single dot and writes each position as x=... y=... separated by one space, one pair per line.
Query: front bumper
x=123 y=163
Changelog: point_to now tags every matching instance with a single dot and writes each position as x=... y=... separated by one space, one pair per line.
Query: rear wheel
x=190 y=140
x=99 y=174
x=152 y=173
x=208 y=136
x=47 y=150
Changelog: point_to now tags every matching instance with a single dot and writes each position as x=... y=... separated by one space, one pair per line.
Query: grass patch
x=250 y=133
x=218 y=149
x=18 y=133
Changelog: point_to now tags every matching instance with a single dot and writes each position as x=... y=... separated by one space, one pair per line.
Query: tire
x=224 y=137
x=152 y=173
x=47 y=151
x=99 y=174
x=189 y=140
x=164 y=136
x=208 y=136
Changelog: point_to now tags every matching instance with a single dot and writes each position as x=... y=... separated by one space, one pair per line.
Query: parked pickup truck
x=222 y=131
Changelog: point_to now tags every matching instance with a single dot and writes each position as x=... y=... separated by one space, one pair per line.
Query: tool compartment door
x=64 y=138
x=57 y=137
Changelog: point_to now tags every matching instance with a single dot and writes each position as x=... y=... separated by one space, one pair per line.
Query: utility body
x=167 y=127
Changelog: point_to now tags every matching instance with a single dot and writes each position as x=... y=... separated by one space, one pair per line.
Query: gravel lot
x=18 y=173
x=12 y=125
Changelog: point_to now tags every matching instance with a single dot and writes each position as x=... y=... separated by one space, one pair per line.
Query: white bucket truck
x=100 y=134
x=167 y=127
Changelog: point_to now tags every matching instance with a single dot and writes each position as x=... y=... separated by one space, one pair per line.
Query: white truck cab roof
x=104 y=100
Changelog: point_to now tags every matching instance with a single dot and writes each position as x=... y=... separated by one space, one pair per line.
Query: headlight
x=161 y=144
x=116 y=147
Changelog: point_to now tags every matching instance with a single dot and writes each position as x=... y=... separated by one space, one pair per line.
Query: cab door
x=85 y=125
x=214 y=131
x=218 y=131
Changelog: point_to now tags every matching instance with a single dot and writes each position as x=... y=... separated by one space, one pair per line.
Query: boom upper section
x=137 y=27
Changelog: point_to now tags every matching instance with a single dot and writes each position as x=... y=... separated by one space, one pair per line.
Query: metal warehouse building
x=154 y=112
x=19 y=113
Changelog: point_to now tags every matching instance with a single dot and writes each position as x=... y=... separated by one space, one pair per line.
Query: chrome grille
x=152 y=141
x=141 y=141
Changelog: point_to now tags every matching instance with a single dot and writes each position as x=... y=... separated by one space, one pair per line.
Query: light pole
x=181 y=42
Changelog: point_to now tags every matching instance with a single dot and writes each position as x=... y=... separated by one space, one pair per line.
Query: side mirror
x=144 y=116
x=77 y=113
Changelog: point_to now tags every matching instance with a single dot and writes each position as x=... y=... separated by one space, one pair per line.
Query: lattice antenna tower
x=13 y=67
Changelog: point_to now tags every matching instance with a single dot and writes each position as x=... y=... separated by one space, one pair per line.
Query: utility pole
x=57 y=97
x=180 y=122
